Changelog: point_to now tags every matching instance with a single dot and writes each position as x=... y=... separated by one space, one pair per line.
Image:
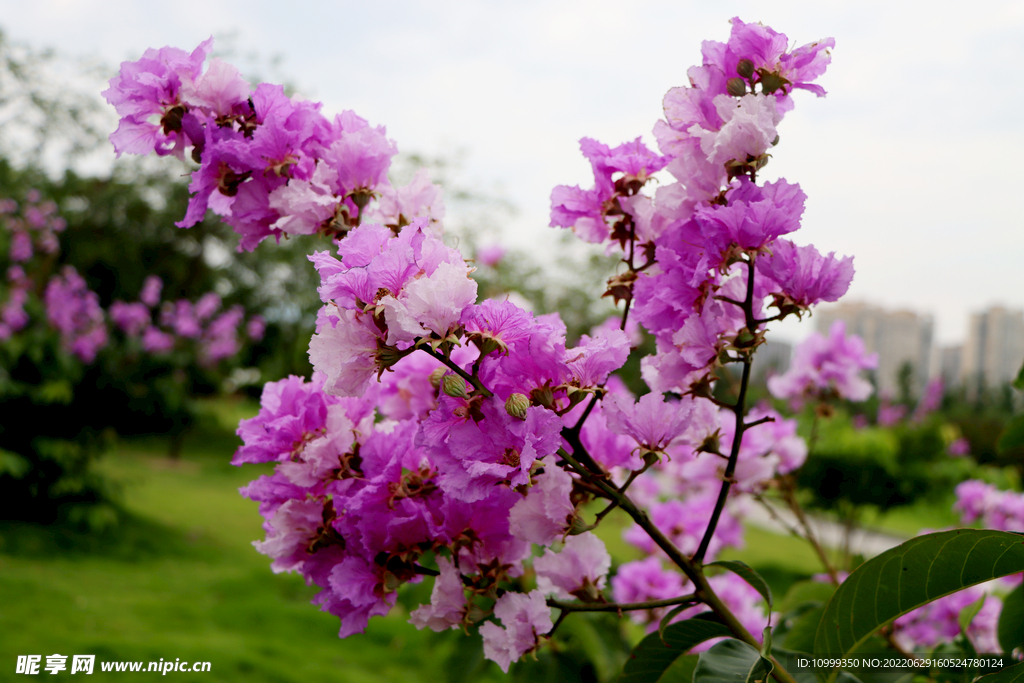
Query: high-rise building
x=950 y=360
x=898 y=337
x=995 y=347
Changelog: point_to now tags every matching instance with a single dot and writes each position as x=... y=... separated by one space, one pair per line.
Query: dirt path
x=863 y=541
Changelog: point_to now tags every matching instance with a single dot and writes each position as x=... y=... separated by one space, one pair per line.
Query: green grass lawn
x=179 y=578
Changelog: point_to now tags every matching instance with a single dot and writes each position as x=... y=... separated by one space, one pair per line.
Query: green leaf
x=910 y=575
x=745 y=572
x=1013 y=435
x=1019 y=382
x=591 y=635
x=731 y=661
x=800 y=636
x=681 y=670
x=55 y=391
x=804 y=592
x=1011 y=621
x=13 y=464
x=1011 y=674
x=651 y=658
x=968 y=613
x=667 y=619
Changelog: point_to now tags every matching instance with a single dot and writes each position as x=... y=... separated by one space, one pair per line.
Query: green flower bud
x=454 y=386
x=736 y=87
x=516 y=406
x=745 y=68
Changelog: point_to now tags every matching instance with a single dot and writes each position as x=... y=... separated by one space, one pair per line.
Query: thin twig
x=452 y=365
x=622 y=606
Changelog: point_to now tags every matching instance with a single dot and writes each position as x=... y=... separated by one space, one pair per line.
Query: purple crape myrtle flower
x=579 y=570
x=74 y=311
x=156 y=341
x=472 y=456
x=132 y=319
x=269 y=164
x=995 y=509
x=399 y=206
x=151 y=288
x=959 y=447
x=610 y=449
x=767 y=450
x=825 y=368
x=385 y=290
x=804 y=277
x=939 y=622
x=220 y=339
x=293 y=411
x=149 y=89
x=643 y=581
x=768 y=52
x=490 y=255
x=524 y=617
x=684 y=522
x=255 y=328
x=930 y=401
x=651 y=422
x=742 y=599
x=747 y=130
x=447 y=608
x=754 y=217
x=619 y=171
x=889 y=414
x=546 y=513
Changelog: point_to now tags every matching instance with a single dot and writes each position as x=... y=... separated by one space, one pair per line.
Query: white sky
x=913 y=163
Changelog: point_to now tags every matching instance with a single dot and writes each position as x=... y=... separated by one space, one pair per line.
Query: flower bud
x=744 y=339
x=745 y=68
x=516 y=406
x=736 y=87
x=454 y=386
x=435 y=377
x=578 y=526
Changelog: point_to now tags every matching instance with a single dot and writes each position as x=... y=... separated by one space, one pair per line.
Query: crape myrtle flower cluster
x=161 y=328
x=75 y=313
x=448 y=437
x=269 y=164
x=826 y=368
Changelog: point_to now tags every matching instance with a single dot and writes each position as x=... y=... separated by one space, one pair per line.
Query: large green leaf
x=1011 y=621
x=1011 y=674
x=745 y=572
x=803 y=592
x=731 y=661
x=910 y=575
x=652 y=659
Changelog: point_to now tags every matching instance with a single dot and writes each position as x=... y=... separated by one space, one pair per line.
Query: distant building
x=950 y=361
x=899 y=338
x=995 y=347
